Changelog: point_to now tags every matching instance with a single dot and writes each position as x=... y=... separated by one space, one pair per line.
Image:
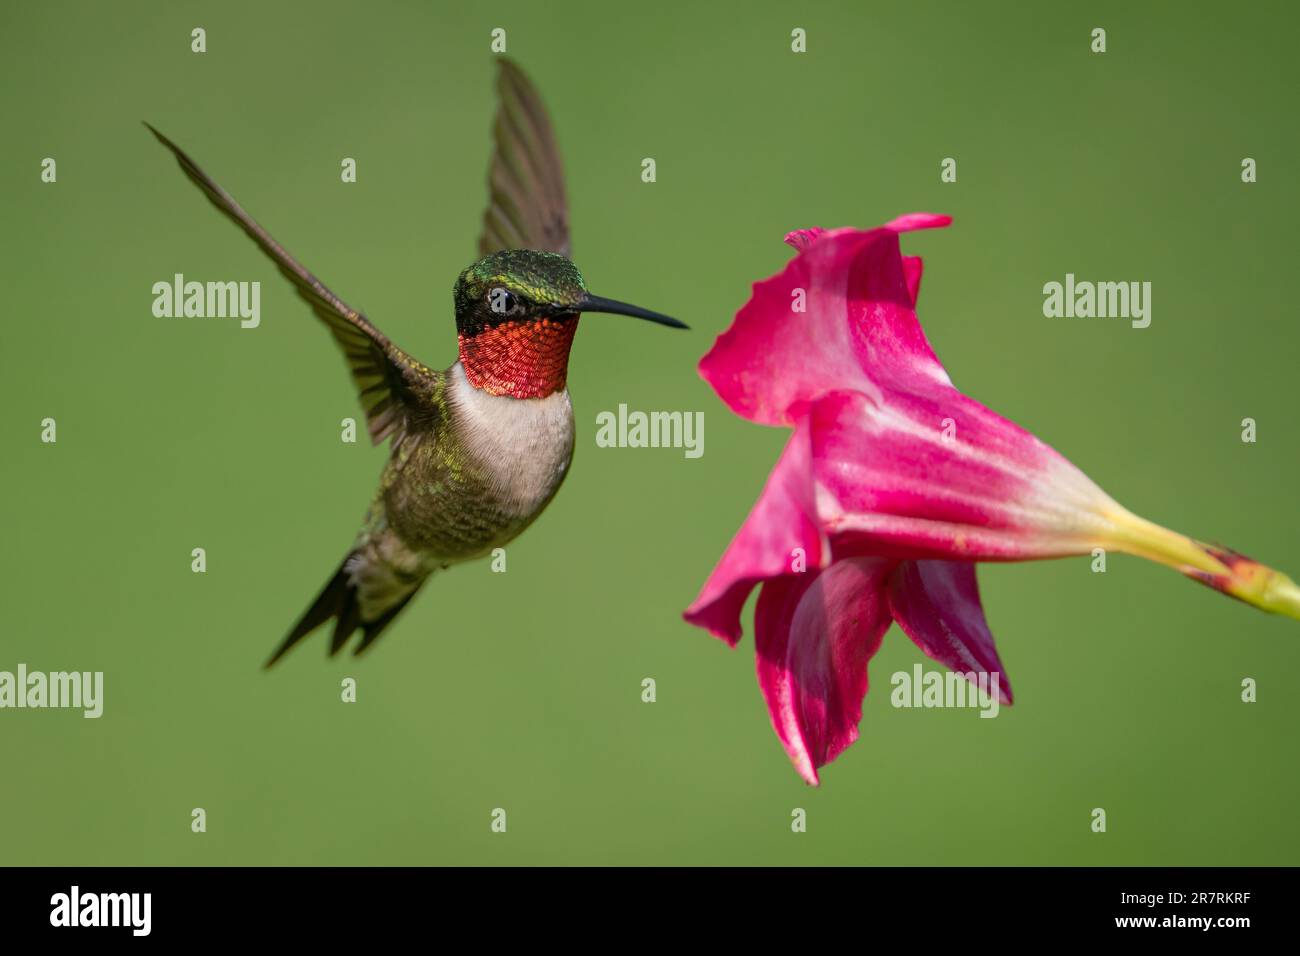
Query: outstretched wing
x=389 y=382
x=527 y=208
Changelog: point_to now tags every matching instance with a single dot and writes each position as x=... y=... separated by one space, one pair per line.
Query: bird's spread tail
x=340 y=601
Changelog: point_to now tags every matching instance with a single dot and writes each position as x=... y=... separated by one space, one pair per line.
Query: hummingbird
x=476 y=451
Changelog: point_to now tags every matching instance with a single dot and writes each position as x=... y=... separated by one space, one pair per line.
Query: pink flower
x=892 y=485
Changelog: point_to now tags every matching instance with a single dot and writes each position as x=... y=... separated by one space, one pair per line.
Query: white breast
x=526 y=443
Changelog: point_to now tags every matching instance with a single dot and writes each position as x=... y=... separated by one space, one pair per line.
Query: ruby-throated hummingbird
x=478 y=450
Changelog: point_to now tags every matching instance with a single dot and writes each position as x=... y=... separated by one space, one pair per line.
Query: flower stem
x=1224 y=570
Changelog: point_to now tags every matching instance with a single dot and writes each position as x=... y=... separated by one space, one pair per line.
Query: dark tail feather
x=372 y=629
x=339 y=600
x=349 y=617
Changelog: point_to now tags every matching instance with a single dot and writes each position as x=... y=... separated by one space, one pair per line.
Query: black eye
x=502 y=301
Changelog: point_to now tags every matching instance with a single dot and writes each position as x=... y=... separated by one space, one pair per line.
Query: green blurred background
x=522 y=690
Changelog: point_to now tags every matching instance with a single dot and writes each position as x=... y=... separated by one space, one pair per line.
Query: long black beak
x=596 y=303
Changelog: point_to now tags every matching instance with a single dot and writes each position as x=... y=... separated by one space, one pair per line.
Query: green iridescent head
x=524 y=285
x=516 y=285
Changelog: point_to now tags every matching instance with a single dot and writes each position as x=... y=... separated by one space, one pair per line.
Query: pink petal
x=782 y=521
x=937 y=604
x=814 y=634
x=912 y=269
x=891 y=482
x=803 y=238
x=912 y=221
x=859 y=325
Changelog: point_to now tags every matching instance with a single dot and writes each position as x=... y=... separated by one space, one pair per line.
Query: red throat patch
x=520 y=359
